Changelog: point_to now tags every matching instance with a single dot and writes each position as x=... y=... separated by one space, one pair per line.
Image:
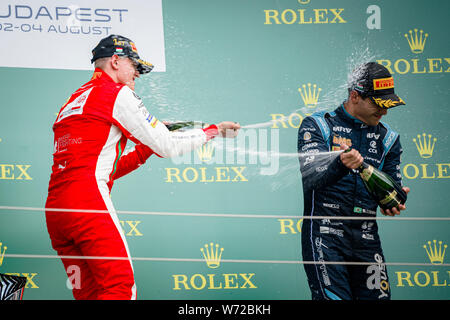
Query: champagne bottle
x=384 y=190
x=184 y=125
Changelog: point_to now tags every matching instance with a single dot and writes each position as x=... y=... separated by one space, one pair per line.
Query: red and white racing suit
x=90 y=134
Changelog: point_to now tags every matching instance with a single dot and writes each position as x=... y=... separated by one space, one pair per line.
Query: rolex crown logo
x=424 y=146
x=205 y=152
x=2 y=253
x=212 y=255
x=435 y=254
x=416 y=40
x=310 y=96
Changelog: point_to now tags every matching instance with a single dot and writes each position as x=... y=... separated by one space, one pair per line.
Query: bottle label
x=390 y=197
x=367 y=173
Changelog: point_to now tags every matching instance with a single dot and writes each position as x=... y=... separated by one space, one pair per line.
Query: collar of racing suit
x=99 y=74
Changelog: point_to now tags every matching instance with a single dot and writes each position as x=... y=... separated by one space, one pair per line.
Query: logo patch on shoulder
x=75 y=107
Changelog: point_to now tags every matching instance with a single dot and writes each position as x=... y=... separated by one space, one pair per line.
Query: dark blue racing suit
x=331 y=189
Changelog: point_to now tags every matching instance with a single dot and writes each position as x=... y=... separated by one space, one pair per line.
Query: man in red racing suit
x=90 y=134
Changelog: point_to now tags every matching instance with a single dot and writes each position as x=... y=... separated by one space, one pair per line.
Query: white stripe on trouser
x=104 y=167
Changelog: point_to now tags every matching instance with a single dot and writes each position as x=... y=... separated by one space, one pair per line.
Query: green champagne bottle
x=186 y=125
x=385 y=191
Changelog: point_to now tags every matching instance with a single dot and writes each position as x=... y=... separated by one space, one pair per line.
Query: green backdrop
x=244 y=61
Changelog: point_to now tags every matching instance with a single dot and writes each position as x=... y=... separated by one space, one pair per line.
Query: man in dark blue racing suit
x=332 y=188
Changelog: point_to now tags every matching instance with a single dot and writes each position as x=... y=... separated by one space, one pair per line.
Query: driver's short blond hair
x=101 y=62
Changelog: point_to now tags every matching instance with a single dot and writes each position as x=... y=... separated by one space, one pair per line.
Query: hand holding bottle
x=228 y=129
x=351 y=159
x=389 y=195
x=395 y=211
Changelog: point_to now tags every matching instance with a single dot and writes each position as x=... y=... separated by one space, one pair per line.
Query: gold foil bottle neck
x=367 y=173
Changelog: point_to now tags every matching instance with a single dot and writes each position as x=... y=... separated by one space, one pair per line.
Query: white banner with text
x=60 y=34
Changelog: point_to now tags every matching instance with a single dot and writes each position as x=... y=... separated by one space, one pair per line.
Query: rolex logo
x=310 y=95
x=212 y=255
x=205 y=152
x=424 y=146
x=2 y=253
x=416 y=40
x=435 y=254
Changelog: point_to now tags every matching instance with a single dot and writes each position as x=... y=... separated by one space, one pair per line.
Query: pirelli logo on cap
x=385 y=83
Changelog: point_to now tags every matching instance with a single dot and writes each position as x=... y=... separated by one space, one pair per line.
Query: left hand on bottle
x=228 y=129
x=395 y=211
x=351 y=159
